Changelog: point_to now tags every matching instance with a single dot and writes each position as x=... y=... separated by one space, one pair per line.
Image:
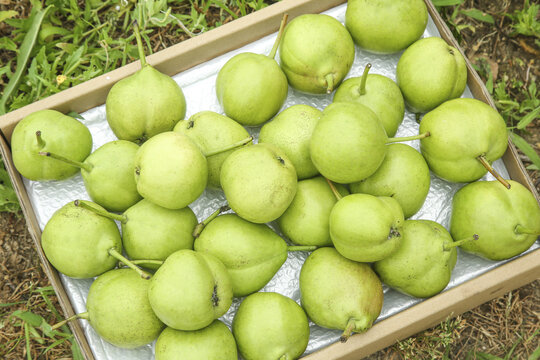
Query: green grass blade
x=526 y=148
x=479 y=15
x=535 y=355
x=527 y=119
x=24 y=54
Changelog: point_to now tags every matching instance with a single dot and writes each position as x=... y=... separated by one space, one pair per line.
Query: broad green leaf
x=23 y=56
x=7 y=14
x=478 y=15
x=77 y=354
x=527 y=119
x=526 y=148
x=535 y=355
x=28 y=317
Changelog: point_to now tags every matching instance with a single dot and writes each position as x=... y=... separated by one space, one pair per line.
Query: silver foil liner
x=198 y=84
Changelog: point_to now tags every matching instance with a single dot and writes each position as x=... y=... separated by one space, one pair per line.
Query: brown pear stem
x=40 y=141
x=523 y=230
x=348 y=331
x=279 y=35
x=75 y=163
x=364 y=79
x=302 y=248
x=408 y=138
x=122 y=218
x=200 y=226
x=229 y=147
x=115 y=254
x=329 y=83
x=334 y=190
x=449 y=246
x=142 y=56
x=490 y=168
x=83 y=315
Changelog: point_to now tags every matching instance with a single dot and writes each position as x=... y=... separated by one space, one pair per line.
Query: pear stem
x=348 y=331
x=200 y=226
x=523 y=230
x=330 y=83
x=408 y=138
x=142 y=56
x=153 y=262
x=449 y=246
x=334 y=190
x=302 y=248
x=490 y=168
x=75 y=163
x=83 y=315
x=364 y=79
x=229 y=147
x=115 y=254
x=279 y=35
x=122 y=218
x=40 y=141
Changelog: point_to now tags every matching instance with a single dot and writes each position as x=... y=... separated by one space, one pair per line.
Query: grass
x=74 y=43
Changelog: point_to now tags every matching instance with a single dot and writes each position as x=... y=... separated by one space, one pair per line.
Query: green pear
x=80 y=243
x=386 y=26
x=214 y=342
x=270 y=326
x=252 y=253
x=251 y=87
x=151 y=232
x=378 y=93
x=118 y=309
x=366 y=228
x=422 y=264
x=507 y=221
x=190 y=290
x=348 y=143
x=403 y=175
x=259 y=182
x=431 y=72
x=306 y=220
x=466 y=136
x=170 y=170
x=316 y=53
x=49 y=131
x=338 y=293
x=291 y=131
x=211 y=132
x=144 y=104
x=108 y=174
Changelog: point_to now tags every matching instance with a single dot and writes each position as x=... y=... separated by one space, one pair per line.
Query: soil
x=494 y=327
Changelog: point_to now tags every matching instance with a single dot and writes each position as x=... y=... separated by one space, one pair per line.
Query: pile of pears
x=336 y=182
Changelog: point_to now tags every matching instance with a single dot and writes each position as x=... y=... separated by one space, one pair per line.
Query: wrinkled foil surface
x=198 y=84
